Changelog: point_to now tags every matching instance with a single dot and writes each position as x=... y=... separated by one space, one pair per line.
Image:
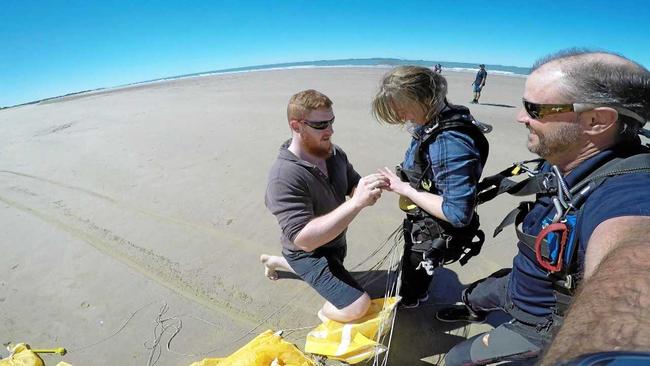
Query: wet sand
x=121 y=204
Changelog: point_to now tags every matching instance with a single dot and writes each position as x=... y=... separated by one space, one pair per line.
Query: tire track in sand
x=143 y=260
x=170 y=219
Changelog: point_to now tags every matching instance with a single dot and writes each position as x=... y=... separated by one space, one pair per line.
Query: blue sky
x=51 y=48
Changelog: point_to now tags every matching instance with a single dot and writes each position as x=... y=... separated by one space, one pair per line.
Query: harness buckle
x=427 y=265
x=568 y=284
x=520 y=166
x=413 y=238
x=547 y=182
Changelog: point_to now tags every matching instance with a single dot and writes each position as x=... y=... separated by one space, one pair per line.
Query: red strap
x=557 y=228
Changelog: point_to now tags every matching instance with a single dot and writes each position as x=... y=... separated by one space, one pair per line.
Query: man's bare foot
x=269 y=268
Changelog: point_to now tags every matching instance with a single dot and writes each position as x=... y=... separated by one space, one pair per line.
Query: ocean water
x=365 y=62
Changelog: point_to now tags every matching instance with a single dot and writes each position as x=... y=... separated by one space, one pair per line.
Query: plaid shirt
x=456 y=170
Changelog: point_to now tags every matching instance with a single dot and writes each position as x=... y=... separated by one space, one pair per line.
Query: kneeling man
x=306 y=192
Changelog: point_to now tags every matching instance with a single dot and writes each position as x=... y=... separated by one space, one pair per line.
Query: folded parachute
x=23 y=355
x=265 y=350
x=353 y=342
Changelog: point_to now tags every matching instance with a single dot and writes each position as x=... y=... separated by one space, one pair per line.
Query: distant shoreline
x=347 y=63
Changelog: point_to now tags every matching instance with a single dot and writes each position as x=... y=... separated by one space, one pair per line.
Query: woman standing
x=437 y=181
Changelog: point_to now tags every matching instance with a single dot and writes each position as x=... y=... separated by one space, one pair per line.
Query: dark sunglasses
x=539 y=111
x=319 y=125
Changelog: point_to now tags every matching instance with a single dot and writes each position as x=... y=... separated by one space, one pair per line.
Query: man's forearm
x=323 y=229
x=611 y=311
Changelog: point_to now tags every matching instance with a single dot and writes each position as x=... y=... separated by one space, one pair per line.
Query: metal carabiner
x=564 y=195
x=521 y=166
x=559 y=210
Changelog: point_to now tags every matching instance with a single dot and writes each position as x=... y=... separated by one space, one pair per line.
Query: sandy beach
x=132 y=211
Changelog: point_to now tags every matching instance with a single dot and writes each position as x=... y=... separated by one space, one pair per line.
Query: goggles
x=539 y=111
x=319 y=125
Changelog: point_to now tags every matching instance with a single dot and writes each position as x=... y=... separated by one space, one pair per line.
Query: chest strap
x=494 y=185
x=516 y=217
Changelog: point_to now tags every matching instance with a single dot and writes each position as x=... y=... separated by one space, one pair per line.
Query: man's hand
x=395 y=184
x=321 y=230
x=368 y=190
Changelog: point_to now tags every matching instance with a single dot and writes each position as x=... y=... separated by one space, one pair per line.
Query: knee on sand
x=352 y=312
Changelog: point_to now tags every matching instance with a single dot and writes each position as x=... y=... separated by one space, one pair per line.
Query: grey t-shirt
x=297 y=191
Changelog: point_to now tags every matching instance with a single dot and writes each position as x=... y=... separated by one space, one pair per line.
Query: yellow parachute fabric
x=265 y=350
x=353 y=342
x=21 y=355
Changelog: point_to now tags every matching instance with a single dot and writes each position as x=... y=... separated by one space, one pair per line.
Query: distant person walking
x=479 y=82
x=438 y=68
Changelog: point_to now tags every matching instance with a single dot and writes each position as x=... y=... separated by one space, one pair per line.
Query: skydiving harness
x=555 y=248
x=438 y=241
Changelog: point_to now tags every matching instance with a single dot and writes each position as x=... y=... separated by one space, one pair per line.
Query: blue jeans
x=522 y=338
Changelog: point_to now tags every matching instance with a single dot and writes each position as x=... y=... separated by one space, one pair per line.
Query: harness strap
x=544 y=183
x=540 y=184
x=474 y=248
x=530 y=242
x=456 y=118
x=565 y=280
x=617 y=166
x=497 y=184
x=562 y=301
x=439 y=242
x=515 y=216
x=582 y=190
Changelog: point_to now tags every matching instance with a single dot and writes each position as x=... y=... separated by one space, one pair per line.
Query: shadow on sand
x=418 y=337
x=499 y=105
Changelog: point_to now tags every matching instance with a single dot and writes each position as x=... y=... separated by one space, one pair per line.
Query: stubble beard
x=555 y=141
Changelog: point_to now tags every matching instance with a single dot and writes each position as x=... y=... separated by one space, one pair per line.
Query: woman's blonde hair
x=407 y=87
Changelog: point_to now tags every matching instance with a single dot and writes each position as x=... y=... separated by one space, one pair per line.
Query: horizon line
x=390 y=62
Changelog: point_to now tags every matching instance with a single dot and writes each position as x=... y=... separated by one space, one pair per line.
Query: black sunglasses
x=539 y=111
x=319 y=125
